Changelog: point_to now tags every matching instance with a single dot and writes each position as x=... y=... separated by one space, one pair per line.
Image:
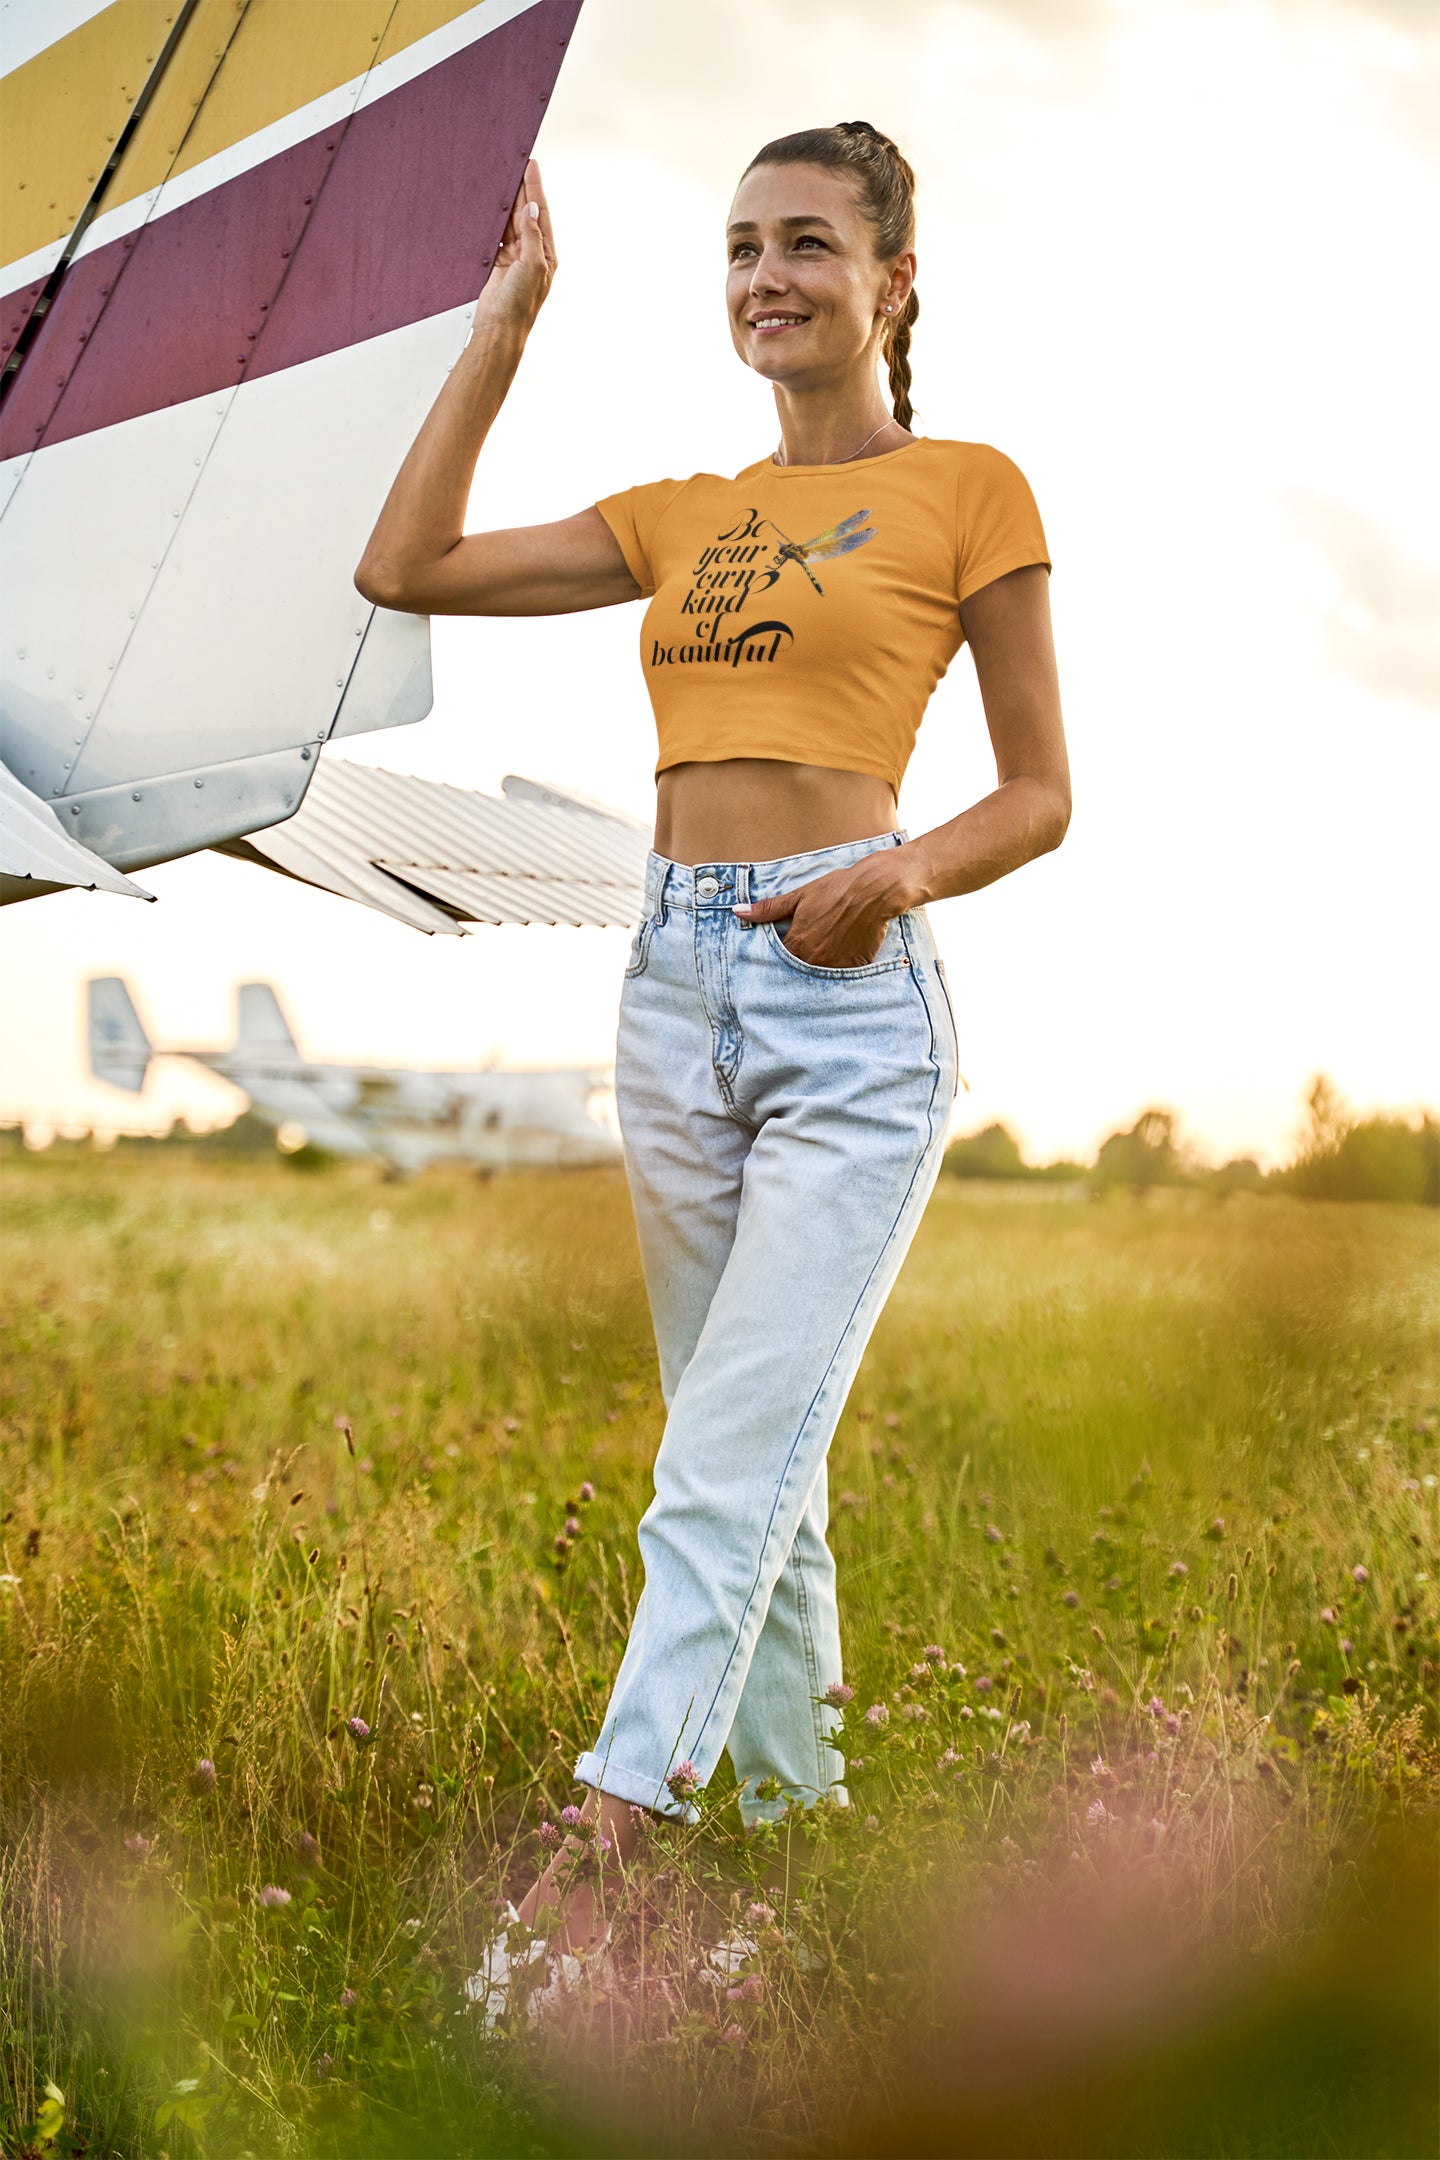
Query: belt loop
x=742 y=883
x=664 y=880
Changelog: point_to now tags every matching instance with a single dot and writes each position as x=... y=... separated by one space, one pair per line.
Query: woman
x=786 y=1057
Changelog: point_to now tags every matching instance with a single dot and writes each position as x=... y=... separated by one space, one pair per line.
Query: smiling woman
x=787 y=1053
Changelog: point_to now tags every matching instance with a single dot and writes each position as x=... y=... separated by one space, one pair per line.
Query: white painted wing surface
x=435 y=856
x=36 y=850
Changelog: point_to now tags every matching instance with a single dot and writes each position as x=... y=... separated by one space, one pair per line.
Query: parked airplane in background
x=405 y=1120
x=241 y=245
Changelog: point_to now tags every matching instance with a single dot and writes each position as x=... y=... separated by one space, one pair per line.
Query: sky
x=1173 y=260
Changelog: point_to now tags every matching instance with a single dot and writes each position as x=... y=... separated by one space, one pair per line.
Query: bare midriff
x=758 y=809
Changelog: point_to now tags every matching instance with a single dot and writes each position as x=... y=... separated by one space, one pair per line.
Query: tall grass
x=1135 y=1513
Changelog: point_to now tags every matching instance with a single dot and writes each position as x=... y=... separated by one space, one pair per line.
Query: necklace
x=781 y=459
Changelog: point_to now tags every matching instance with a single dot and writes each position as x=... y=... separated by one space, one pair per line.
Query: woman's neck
x=833 y=430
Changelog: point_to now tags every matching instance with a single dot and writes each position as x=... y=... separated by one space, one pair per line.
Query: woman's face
x=805 y=291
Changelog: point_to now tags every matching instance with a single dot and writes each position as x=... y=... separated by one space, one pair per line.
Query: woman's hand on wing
x=515 y=290
x=838 y=921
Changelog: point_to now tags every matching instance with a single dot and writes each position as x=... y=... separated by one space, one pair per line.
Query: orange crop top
x=806 y=612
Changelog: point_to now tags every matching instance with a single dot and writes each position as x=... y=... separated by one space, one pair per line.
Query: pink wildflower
x=587 y=1490
x=139 y=1848
x=551 y=1838
x=1172 y=1723
x=1178 y=1567
x=750 y=1989
x=684 y=1780
x=273 y=1898
x=1097 y=1813
x=348 y=1998
x=1346 y=1645
x=735 y=2034
x=878 y=1714
x=307 y=1849
x=1360 y=1574
x=1327 y=1614
x=357 y=1729
x=570 y=1816
x=838 y=1695
x=572 y=1526
x=203 y=1776
x=760 y=1915
x=933 y=1654
x=948 y=1758
x=872 y=1822
x=1155 y=1706
x=995 y=1537
x=1071 y=1598
x=984 y=1684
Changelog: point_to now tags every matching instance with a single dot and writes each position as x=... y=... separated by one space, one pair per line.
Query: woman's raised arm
x=419 y=557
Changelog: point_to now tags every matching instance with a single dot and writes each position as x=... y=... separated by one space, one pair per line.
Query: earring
x=888 y=309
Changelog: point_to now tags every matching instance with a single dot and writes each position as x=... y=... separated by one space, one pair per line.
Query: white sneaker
x=565 y=1970
x=724 y=1959
x=490 y=1986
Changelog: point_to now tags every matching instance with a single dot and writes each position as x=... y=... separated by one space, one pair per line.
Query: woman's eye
x=741 y=247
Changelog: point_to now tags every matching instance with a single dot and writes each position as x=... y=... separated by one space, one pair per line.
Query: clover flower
x=878 y=1714
x=1155 y=1707
x=983 y=1684
x=1178 y=1568
x=838 y=1695
x=760 y=1915
x=872 y=1822
x=735 y=2034
x=307 y=1849
x=570 y=1816
x=273 y=1898
x=348 y=1998
x=994 y=1536
x=357 y=1729
x=684 y=1780
x=1071 y=1598
x=933 y=1654
x=551 y=1838
x=750 y=1989
x=203 y=1777
x=1359 y=1574
x=587 y=1490
x=948 y=1759
x=1097 y=1813
x=1327 y=1614
x=139 y=1848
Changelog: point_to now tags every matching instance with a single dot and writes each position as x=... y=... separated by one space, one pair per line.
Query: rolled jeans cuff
x=621 y=1784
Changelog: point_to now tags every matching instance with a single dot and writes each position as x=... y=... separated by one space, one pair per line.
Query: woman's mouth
x=768 y=325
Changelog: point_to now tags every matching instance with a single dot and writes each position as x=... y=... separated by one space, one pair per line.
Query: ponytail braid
x=887 y=196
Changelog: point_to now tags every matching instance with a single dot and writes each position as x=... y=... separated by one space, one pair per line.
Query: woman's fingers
x=532 y=189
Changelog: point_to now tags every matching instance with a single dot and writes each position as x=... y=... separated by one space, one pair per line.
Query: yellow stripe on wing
x=235 y=71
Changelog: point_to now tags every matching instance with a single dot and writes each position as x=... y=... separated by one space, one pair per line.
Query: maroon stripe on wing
x=389 y=217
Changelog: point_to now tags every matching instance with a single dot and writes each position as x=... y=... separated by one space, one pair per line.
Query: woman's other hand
x=838 y=921
x=524 y=266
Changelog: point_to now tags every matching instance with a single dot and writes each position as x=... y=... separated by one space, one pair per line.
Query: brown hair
x=887 y=196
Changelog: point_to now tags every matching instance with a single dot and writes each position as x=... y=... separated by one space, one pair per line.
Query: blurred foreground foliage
x=1135 y=1512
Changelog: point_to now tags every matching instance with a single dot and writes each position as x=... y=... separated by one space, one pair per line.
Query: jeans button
x=707 y=887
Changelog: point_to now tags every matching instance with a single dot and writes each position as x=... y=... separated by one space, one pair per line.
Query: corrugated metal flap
x=414 y=848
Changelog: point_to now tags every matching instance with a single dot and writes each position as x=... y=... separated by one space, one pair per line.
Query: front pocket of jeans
x=892 y=955
x=640 y=947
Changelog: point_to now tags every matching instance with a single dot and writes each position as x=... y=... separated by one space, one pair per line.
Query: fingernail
x=533 y=209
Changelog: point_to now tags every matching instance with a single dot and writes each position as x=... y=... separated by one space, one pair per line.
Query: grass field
x=1140 y=1860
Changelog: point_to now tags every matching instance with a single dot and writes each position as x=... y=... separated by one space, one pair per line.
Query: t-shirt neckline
x=768 y=465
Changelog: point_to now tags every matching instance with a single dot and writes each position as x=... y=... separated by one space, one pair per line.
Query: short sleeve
x=997 y=523
x=633 y=517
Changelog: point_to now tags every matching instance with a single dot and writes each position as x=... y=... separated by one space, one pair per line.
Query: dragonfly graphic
x=842 y=539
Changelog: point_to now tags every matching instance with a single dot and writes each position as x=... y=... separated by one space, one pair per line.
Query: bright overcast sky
x=1176 y=258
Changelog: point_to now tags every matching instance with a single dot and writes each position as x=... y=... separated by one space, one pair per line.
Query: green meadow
x=1136 y=1517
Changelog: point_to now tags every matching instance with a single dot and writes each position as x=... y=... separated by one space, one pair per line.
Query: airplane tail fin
x=119 y=1046
x=260 y=1022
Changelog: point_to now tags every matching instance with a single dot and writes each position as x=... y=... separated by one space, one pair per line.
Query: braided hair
x=887 y=196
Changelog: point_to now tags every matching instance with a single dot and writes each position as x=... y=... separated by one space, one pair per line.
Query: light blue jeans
x=783 y=1126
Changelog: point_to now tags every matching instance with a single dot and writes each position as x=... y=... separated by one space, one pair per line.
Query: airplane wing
x=241 y=245
x=436 y=856
x=37 y=855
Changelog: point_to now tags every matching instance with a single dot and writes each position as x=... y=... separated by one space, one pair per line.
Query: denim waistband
x=727 y=884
